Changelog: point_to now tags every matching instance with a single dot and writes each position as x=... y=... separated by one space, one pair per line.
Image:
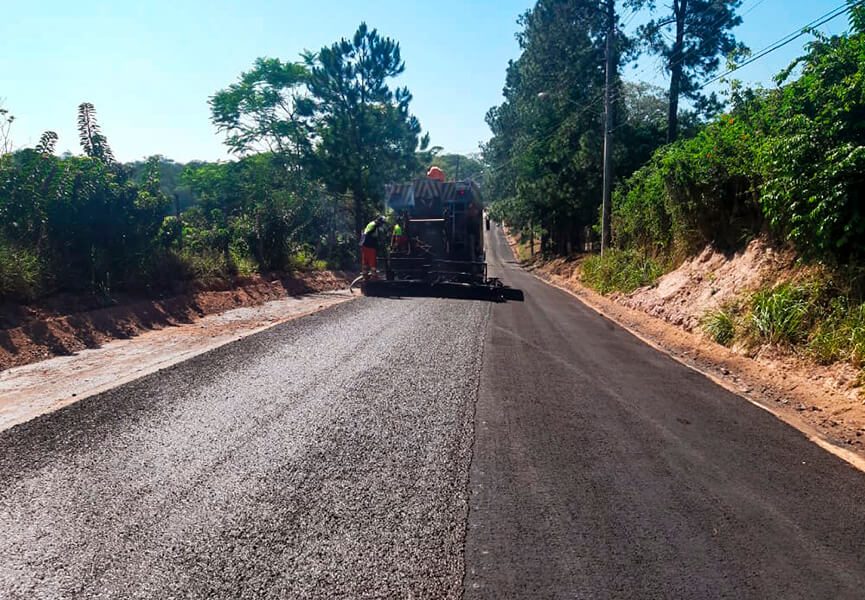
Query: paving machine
x=441 y=251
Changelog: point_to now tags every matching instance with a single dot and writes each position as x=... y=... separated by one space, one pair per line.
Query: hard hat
x=380 y=219
x=436 y=174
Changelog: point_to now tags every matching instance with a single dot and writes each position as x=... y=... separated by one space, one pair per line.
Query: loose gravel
x=327 y=457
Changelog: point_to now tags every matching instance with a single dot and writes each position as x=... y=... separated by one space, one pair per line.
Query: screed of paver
x=35 y=389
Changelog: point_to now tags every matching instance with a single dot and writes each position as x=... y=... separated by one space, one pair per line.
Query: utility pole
x=606 y=206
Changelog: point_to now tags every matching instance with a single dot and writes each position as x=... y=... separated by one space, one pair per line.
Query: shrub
x=781 y=315
x=301 y=259
x=205 y=264
x=620 y=271
x=20 y=273
x=720 y=326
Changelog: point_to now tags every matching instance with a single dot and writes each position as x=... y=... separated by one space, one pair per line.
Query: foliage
x=720 y=325
x=696 y=191
x=170 y=182
x=544 y=158
x=363 y=135
x=20 y=273
x=840 y=334
x=316 y=141
x=6 y=121
x=781 y=315
x=793 y=156
x=260 y=112
x=257 y=201
x=94 y=144
x=620 y=271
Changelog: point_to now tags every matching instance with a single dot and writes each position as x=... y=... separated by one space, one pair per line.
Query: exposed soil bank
x=820 y=400
x=67 y=324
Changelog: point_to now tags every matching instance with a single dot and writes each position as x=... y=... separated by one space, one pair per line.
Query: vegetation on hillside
x=315 y=139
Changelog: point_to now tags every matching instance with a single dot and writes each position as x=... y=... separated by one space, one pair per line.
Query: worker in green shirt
x=399 y=241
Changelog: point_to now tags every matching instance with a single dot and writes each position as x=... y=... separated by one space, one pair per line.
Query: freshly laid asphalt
x=427 y=448
x=604 y=469
x=326 y=457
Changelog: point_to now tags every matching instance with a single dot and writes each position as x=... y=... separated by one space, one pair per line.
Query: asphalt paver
x=605 y=469
x=324 y=458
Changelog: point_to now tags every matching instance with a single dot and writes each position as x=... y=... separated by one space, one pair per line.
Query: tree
x=6 y=120
x=691 y=39
x=261 y=111
x=545 y=154
x=94 y=144
x=363 y=133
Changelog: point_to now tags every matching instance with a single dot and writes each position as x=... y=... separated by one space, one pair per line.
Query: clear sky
x=149 y=65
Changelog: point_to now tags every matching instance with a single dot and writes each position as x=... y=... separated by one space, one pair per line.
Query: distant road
x=427 y=448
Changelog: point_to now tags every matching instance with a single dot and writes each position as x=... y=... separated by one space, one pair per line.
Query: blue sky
x=149 y=65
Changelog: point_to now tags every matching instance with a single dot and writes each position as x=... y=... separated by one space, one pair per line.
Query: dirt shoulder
x=160 y=334
x=817 y=400
x=65 y=325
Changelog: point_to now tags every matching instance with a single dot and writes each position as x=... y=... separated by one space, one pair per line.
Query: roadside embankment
x=67 y=324
x=824 y=400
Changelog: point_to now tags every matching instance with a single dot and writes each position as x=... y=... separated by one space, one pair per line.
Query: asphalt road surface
x=427 y=448
x=604 y=469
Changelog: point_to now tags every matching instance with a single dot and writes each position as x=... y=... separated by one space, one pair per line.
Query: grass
x=720 y=325
x=620 y=271
x=781 y=315
x=840 y=333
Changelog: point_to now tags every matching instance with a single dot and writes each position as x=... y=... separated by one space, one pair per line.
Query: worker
x=399 y=241
x=436 y=174
x=369 y=246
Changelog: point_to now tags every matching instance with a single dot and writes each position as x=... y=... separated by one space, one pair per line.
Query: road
x=427 y=448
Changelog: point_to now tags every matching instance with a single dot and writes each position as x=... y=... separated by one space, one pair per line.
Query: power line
x=789 y=38
x=750 y=10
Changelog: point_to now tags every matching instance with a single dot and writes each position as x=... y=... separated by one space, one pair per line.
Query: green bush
x=720 y=326
x=794 y=156
x=620 y=271
x=301 y=260
x=205 y=264
x=781 y=315
x=20 y=273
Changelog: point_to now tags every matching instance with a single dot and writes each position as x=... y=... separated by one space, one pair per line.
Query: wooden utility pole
x=609 y=79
